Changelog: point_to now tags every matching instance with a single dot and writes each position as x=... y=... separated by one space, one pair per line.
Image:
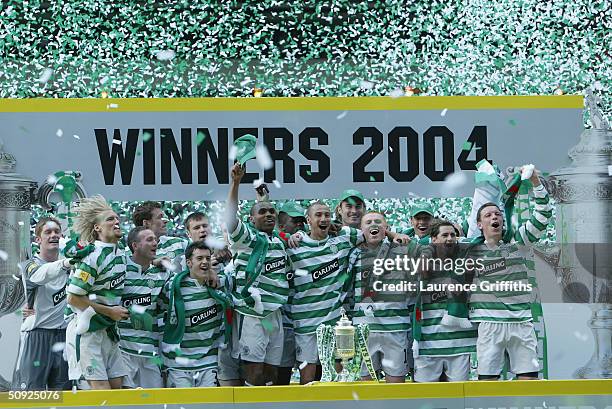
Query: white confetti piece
x=112 y=106
x=453 y=182
x=609 y=170
x=58 y=347
x=303 y=365
x=59 y=132
x=342 y=115
x=74 y=389
x=3 y=255
x=535 y=362
x=139 y=309
x=397 y=93
x=75 y=136
x=197 y=375
x=20 y=223
x=527 y=171
x=232 y=153
x=376 y=193
x=168 y=266
x=544 y=404
x=366 y=84
x=139 y=351
x=276 y=183
x=263 y=157
x=59 y=187
x=245 y=82
x=598 y=86
x=165 y=55
x=390 y=149
x=104 y=80
x=581 y=336
x=214 y=243
x=103 y=403
x=117 y=141
x=444 y=111
x=92 y=297
x=355 y=396
x=45 y=76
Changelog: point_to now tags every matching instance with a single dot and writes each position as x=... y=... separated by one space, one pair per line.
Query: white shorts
x=192 y=379
x=389 y=352
x=431 y=368
x=74 y=369
x=258 y=339
x=143 y=372
x=99 y=358
x=306 y=348
x=288 y=359
x=229 y=367
x=517 y=338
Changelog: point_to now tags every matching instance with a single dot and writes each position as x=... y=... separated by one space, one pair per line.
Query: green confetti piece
x=466 y=146
x=138 y=152
x=372 y=179
x=512 y=122
x=146 y=136
x=308 y=173
x=200 y=138
x=36 y=364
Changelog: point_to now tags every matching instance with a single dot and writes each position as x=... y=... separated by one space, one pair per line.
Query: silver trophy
x=582 y=257
x=17 y=193
x=344 y=332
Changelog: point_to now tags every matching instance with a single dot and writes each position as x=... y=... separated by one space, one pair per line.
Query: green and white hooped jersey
x=174 y=249
x=509 y=262
x=203 y=320
x=272 y=283
x=392 y=312
x=438 y=339
x=321 y=279
x=142 y=289
x=100 y=275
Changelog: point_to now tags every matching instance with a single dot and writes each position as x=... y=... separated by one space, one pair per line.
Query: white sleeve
x=47 y=272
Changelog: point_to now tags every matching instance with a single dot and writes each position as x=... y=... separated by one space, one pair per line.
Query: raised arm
x=47 y=272
x=231 y=208
x=532 y=230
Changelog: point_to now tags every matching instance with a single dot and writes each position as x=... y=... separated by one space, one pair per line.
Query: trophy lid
x=8 y=176
x=344 y=321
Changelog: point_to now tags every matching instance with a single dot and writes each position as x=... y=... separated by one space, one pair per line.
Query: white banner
x=177 y=149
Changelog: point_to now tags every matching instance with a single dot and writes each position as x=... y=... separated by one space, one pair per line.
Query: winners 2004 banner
x=179 y=149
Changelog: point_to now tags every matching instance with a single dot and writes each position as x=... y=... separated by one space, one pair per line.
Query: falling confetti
x=59 y=133
x=3 y=255
x=466 y=146
x=276 y=184
x=117 y=141
x=372 y=179
x=581 y=336
x=342 y=115
x=200 y=138
x=444 y=111
x=111 y=106
x=512 y=122
x=303 y=365
x=355 y=395
x=609 y=170
x=397 y=93
x=75 y=136
x=165 y=55
x=214 y=243
x=366 y=85
x=232 y=153
x=58 y=347
x=263 y=157
x=146 y=136
x=45 y=76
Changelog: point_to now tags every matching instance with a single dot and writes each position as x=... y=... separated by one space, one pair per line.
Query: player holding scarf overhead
x=94 y=293
x=261 y=287
x=505 y=317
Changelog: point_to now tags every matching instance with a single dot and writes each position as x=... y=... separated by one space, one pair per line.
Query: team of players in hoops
x=157 y=311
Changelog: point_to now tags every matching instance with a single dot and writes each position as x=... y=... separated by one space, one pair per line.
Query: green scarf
x=174 y=328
